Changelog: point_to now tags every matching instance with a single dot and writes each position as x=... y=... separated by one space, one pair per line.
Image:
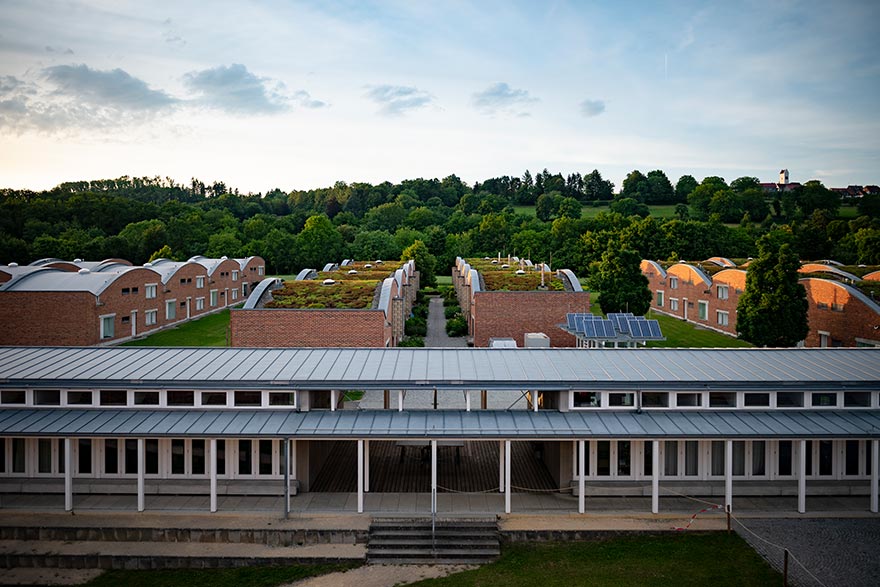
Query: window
x=851 y=399
x=586 y=399
x=659 y=298
x=718 y=458
x=670 y=458
x=126 y=291
x=12 y=396
x=108 y=326
x=200 y=303
x=180 y=398
x=756 y=400
x=47 y=397
x=621 y=400
x=837 y=307
x=261 y=270
x=655 y=399
x=200 y=281
x=722 y=318
x=178 y=456
x=134 y=291
x=146 y=398
x=44 y=455
x=673 y=304
x=150 y=317
x=691 y=458
x=221 y=457
x=851 y=462
x=673 y=283
x=785 y=457
x=235 y=276
x=722 y=292
x=703 y=312
x=265 y=457
x=170 y=309
x=688 y=400
x=111 y=456
x=79 y=398
x=151 y=449
x=824 y=400
x=150 y=290
x=603 y=458
x=131 y=456
x=789 y=399
x=739 y=457
x=722 y=399
x=114 y=397
x=245 y=458
x=624 y=456
x=282 y=399
x=824 y=338
x=648 y=457
x=213 y=297
x=198 y=457
x=213 y=398
x=234 y=293
x=759 y=458
x=248 y=398
x=84 y=456
x=126 y=320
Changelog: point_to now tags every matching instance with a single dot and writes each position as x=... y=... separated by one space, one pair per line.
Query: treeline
x=134 y=218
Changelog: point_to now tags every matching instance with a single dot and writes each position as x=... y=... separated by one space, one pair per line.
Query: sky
x=299 y=95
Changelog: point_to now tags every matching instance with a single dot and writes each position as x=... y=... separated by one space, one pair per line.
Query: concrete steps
x=453 y=541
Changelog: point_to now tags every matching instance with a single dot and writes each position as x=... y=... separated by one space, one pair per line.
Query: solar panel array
x=622 y=326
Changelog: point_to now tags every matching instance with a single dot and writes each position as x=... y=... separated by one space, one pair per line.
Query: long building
x=838 y=314
x=600 y=421
x=62 y=303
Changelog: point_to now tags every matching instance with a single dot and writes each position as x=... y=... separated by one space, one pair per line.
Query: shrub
x=420 y=311
x=457 y=326
x=450 y=302
x=451 y=312
x=412 y=341
x=416 y=326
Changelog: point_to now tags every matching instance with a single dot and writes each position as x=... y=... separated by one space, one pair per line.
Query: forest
x=567 y=220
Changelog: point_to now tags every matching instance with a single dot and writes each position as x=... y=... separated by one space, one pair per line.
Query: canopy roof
x=483 y=424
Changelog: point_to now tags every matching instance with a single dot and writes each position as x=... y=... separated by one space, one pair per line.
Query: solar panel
x=570 y=320
x=589 y=328
x=644 y=329
x=655 y=329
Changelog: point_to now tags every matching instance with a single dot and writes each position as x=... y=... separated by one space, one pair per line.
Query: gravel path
x=839 y=552
x=380 y=576
x=436 y=336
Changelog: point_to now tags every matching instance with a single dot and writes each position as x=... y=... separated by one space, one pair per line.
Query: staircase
x=454 y=541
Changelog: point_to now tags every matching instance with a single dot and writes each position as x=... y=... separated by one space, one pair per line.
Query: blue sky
x=302 y=94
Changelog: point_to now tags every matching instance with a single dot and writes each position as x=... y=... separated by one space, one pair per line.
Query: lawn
x=683 y=560
x=207 y=331
x=679 y=333
x=240 y=577
x=444 y=280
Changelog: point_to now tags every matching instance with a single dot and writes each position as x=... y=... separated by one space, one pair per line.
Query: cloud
x=51 y=49
x=304 y=99
x=500 y=97
x=238 y=91
x=114 y=89
x=591 y=108
x=78 y=97
x=396 y=100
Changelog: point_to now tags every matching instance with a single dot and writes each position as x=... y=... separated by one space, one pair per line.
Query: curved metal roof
x=47 y=279
x=410 y=368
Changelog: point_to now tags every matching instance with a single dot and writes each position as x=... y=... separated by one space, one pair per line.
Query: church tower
x=783 y=177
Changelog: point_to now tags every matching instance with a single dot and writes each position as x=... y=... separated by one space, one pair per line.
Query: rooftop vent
x=505 y=266
x=368 y=266
x=352 y=272
x=494 y=261
x=148 y=264
x=520 y=272
x=328 y=281
x=13 y=264
x=223 y=258
x=378 y=261
x=77 y=260
x=83 y=271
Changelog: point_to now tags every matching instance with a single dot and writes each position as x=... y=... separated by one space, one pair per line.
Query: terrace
x=352 y=294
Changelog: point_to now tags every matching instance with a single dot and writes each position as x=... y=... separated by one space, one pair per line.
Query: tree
x=772 y=310
x=319 y=243
x=569 y=208
x=661 y=191
x=596 y=188
x=636 y=186
x=163 y=253
x=426 y=263
x=547 y=206
x=683 y=188
x=621 y=285
x=629 y=207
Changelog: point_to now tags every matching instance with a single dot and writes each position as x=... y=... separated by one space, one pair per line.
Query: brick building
x=61 y=303
x=259 y=324
x=494 y=313
x=839 y=314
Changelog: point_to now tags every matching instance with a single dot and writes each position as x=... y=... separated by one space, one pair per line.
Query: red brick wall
x=511 y=314
x=49 y=319
x=112 y=301
x=277 y=327
x=251 y=274
x=856 y=319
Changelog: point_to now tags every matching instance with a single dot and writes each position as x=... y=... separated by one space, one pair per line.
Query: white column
x=582 y=476
x=294 y=474
x=875 y=474
x=68 y=475
x=802 y=477
x=534 y=400
x=574 y=459
x=142 y=463
x=433 y=476
x=399 y=400
x=655 y=476
x=333 y=398
x=286 y=456
x=501 y=467
x=467 y=400
x=360 y=476
x=212 y=470
x=507 y=476
x=728 y=474
x=367 y=466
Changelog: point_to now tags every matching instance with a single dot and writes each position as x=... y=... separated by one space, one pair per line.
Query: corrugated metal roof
x=441 y=424
x=332 y=368
x=46 y=279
